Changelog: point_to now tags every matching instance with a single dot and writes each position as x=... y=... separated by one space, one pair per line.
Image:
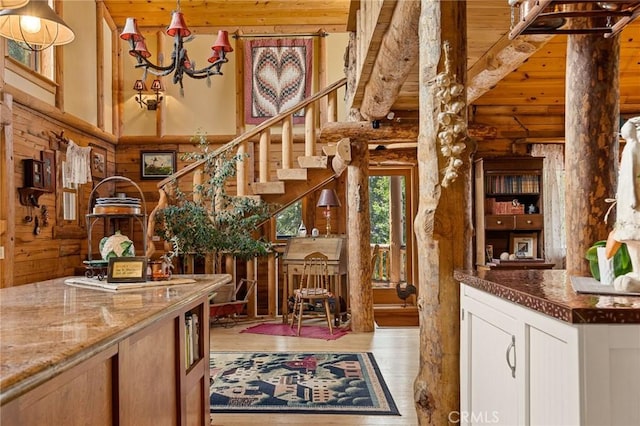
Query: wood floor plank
x=395 y=350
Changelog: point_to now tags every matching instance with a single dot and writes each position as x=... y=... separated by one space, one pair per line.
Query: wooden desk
x=335 y=248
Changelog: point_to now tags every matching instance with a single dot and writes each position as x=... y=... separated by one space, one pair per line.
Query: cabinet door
x=490 y=389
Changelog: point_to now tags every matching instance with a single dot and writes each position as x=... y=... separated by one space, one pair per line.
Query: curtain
x=555 y=246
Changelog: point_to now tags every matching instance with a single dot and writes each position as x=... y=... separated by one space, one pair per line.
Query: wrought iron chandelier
x=180 y=62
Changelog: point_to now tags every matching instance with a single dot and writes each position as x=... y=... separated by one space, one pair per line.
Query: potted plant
x=209 y=220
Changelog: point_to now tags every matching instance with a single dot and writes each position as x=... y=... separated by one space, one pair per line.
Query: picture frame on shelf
x=524 y=246
x=98 y=162
x=157 y=164
x=131 y=269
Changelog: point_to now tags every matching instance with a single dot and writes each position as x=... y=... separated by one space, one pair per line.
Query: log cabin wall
x=56 y=251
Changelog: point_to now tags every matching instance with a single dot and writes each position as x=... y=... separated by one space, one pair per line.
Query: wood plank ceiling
x=538 y=82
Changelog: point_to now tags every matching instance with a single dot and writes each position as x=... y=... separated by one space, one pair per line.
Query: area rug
x=309 y=331
x=298 y=382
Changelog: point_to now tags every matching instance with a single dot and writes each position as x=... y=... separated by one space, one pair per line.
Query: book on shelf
x=192 y=338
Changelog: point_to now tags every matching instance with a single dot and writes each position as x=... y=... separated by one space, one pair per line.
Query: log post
x=7 y=183
x=265 y=141
x=443 y=224
x=591 y=142
x=360 y=288
x=310 y=130
x=287 y=142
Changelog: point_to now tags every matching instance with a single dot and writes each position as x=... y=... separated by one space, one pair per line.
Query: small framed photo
x=98 y=162
x=489 y=252
x=157 y=164
x=48 y=170
x=524 y=246
x=127 y=269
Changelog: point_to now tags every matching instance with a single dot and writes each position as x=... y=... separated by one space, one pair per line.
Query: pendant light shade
x=36 y=25
x=12 y=4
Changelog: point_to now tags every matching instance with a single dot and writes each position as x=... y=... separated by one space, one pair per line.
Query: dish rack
x=110 y=209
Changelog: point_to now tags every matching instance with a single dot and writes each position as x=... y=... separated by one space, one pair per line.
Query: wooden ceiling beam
x=396 y=58
x=504 y=57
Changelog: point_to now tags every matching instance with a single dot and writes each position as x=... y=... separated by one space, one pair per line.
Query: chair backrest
x=315 y=271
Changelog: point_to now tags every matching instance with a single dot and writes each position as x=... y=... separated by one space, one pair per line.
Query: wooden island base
x=106 y=358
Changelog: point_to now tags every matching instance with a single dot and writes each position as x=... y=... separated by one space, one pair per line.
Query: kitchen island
x=533 y=351
x=71 y=355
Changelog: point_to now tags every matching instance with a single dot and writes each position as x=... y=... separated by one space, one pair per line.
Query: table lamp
x=328 y=198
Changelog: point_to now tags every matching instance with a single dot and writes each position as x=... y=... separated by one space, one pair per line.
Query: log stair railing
x=311 y=172
x=266 y=186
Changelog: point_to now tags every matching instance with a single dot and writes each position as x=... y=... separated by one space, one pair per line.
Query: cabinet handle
x=511 y=346
x=499 y=222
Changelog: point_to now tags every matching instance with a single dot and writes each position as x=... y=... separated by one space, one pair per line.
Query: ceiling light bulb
x=30 y=24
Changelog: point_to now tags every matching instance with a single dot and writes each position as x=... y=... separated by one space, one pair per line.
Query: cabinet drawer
x=499 y=222
x=529 y=221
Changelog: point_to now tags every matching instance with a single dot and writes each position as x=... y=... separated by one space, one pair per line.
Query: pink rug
x=309 y=331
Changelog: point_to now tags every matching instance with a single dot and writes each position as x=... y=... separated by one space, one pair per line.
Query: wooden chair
x=313 y=289
x=226 y=312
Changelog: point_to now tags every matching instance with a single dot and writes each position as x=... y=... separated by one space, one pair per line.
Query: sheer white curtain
x=555 y=247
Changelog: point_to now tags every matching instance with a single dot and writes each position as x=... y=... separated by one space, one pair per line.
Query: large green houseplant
x=209 y=220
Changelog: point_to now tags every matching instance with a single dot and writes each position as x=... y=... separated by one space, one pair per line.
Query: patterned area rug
x=298 y=382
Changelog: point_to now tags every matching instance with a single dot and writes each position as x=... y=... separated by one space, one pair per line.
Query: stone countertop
x=550 y=292
x=48 y=327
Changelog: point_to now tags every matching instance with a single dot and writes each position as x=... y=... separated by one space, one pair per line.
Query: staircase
x=290 y=182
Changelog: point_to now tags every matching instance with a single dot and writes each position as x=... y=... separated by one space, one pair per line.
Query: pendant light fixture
x=180 y=63
x=12 y=4
x=35 y=26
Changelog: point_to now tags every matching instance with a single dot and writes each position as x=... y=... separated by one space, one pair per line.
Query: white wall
x=80 y=62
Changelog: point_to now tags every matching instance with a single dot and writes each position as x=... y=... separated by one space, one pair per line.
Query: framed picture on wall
x=524 y=246
x=157 y=164
x=48 y=170
x=98 y=162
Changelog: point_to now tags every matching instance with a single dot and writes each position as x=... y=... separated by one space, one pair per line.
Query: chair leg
x=327 y=312
x=300 y=317
x=294 y=314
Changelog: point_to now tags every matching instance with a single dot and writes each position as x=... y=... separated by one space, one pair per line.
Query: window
x=26 y=57
x=288 y=221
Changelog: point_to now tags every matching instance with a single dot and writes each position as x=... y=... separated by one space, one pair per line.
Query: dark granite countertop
x=550 y=292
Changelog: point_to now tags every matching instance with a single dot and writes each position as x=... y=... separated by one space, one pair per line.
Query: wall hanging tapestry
x=277 y=77
x=298 y=382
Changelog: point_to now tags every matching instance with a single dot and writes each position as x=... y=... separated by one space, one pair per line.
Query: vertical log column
x=443 y=224
x=7 y=194
x=360 y=289
x=591 y=146
x=395 y=207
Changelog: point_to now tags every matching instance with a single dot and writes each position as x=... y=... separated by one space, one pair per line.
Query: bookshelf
x=509 y=214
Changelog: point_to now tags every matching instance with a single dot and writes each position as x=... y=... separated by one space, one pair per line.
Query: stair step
x=260 y=188
x=313 y=162
x=292 y=174
x=396 y=315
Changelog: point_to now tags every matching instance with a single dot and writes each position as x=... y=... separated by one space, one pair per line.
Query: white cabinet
x=521 y=367
x=488 y=377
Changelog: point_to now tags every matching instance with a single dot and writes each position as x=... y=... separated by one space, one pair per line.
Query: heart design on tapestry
x=279 y=77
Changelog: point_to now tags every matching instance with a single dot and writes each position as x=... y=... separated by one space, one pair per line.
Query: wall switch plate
x=1 y=252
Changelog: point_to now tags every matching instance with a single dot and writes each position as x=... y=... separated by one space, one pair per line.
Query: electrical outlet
x=1 y=252
x=155 y=238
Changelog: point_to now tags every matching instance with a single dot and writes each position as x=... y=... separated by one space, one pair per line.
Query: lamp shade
x=36 y=25
x=130 y=30
x=222 y=42
x=140 y=86
x=12 y=4
x=328 y=198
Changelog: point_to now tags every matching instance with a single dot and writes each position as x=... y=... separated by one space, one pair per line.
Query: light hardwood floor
x=395 y=350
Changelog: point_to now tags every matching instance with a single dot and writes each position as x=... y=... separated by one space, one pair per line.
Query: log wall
x=48 y=254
